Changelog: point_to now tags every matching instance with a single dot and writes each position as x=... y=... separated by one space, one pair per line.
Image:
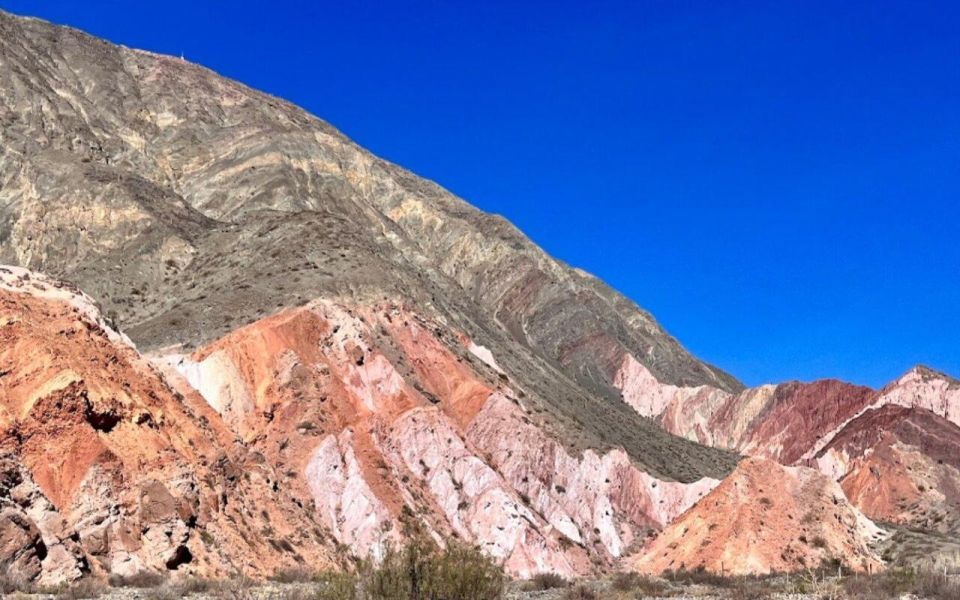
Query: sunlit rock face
x=892 y=450
x=394 y=426
x=106 y=469
x=189 y=205
x=356 y=339
x=765 y=518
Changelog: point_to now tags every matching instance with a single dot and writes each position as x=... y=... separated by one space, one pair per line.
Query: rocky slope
x=901 y=465
x=105 y=469
x=342 y=354
x=893 y=450
x=386 y=418
x=766 y=518
x=190 y=205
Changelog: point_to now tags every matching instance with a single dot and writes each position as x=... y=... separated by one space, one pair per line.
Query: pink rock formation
x=765 y=518
x=419 y=437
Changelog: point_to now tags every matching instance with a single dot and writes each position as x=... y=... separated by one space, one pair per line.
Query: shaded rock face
x=105 y=469
x=765 y=518
x=190 y=205
x=390 y=424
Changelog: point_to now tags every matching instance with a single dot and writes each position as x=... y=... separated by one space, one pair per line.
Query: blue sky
x=779 y=183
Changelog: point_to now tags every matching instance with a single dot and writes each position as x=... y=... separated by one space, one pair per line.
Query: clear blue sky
x=779 y=183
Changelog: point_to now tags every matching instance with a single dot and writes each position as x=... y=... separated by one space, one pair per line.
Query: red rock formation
x=386 y=417
x=112 y=470
x=765 y=518
x=899 y=465
x=890 y=448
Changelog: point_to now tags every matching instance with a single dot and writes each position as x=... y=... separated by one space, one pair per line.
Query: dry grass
x=580 y=592
x=643 y=585
x=896 y=583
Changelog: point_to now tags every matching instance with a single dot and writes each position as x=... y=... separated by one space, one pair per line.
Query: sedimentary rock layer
x=766 y=518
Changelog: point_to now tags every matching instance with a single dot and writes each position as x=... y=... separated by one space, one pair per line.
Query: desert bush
x=545 y=581
x=936 y=586
x=698 y=576
x=897 y=582
x=82 y=590
x=238 y=588
x=878 y=587
x=182 y=588
x=580 y=592
x=749 y=588
x=635 y=582
x=421 y=571
x=337 y=586
x=418 y=571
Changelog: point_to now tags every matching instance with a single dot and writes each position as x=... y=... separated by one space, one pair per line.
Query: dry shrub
x=295 y=575
x=82 y=590
x=747 y=588
x=936 y=586
x=545 y=581
x=419 y=571
x=646 y=585
x=698 y=576
x=897 y=582
x=580 y=592
x=337 y=586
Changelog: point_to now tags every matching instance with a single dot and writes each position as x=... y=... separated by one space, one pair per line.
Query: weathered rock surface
x=893 y=450
x=393 y=425
x=900 y=465
x=189 y=205
x=350 y=344
x=105 y=469
x=766 y=518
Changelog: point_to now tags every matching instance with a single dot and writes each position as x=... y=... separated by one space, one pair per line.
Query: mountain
x=288 y=351
x=766 y=518
x=324 y=349
x=894 y=450
x=188 y=205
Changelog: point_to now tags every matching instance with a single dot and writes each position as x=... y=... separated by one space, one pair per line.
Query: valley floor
x=895 y=584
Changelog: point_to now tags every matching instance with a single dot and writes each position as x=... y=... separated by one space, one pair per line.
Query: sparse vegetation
x=897 y=582
x=420 y=571
x=642 y=584
x=581 y=592
x=545 y=581
x=143 y=579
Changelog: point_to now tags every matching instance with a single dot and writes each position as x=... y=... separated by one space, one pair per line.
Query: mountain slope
x=109 y=470
x=190 y=205
x=766 y=518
